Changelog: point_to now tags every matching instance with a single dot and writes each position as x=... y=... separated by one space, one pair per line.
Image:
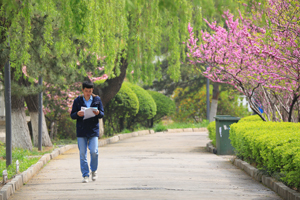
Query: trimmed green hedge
x=125 y=103
x=147 y=105
x=212 y=132
x=251 y=118
x=164 y=105
x=273 y=146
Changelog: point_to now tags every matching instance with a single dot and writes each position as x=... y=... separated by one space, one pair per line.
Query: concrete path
x=156 y=166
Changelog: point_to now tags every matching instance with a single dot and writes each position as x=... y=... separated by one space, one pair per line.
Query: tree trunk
x=214 y=102
x=151 y=123
x=34 y=117
x=101 y=128
x=121 y=124
x=113 y=85
x=20 y=132
x=53 y=128
x=32 y=104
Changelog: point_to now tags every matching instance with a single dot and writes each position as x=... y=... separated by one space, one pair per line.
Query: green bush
x=124 y=104
x=274 y=146
x=147 y=106
x=251 y=118
x=212 y=132
x=164 y=105
x=66 y=127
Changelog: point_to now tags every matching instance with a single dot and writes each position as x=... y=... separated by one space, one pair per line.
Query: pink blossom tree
x=260 y=61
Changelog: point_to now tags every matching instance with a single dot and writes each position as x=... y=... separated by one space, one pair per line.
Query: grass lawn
x=26 y=158
x=174 y=125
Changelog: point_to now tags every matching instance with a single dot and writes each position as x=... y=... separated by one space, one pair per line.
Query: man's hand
x=80 y=113
x=96 y=112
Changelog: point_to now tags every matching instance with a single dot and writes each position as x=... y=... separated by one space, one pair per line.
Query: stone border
x=281 y=189
x=19 y=180
x=186 y=130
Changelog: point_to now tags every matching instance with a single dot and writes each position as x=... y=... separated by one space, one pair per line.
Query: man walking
x=87 y=129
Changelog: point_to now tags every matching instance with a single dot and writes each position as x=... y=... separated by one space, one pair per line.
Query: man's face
x=87 y=92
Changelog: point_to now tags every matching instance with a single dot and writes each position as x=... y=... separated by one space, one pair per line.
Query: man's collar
x=91 y=98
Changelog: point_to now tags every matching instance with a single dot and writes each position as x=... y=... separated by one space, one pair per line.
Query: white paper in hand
x=88 y=112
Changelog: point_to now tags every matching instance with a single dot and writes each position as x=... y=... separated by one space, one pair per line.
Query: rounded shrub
x=147 y=105
x=125 y=103
x=164 y=105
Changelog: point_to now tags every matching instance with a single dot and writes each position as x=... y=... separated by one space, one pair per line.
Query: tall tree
x=262 y=62
x=192 y=76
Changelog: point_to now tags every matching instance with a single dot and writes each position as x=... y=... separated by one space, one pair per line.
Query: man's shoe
x=85 y=179
x=94 y=175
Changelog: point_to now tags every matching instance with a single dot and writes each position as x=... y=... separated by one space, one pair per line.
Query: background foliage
x=191 y=107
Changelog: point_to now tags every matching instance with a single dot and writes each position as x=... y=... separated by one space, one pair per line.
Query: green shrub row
x=134 y=108
x=250 y=118
x=212 y=132
x=272 y=146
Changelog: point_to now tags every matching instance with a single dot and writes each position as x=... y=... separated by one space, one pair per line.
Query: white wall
x=242 y=100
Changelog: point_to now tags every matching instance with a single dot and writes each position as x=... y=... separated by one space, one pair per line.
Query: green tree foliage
x=134 y=29
x=228 y=105
x=164 y=105
x=191 y=106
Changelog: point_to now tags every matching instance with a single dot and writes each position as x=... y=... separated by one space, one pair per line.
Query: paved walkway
x=156 y=166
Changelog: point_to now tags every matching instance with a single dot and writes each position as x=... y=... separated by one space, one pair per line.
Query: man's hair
x=87 y=84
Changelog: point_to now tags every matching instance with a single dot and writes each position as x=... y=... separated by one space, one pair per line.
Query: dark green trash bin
x=222 y=134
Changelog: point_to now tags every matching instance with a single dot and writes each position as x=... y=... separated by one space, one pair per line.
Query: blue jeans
x=92 y=143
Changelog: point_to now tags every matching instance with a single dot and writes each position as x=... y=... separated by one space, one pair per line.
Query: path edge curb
x=278 y=187
x=20 y=179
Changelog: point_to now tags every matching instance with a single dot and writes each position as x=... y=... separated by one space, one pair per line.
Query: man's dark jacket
x=88 y=127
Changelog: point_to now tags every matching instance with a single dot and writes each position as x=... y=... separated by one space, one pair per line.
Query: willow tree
x=142 y=31
x=42 y=36
x=53 y=37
